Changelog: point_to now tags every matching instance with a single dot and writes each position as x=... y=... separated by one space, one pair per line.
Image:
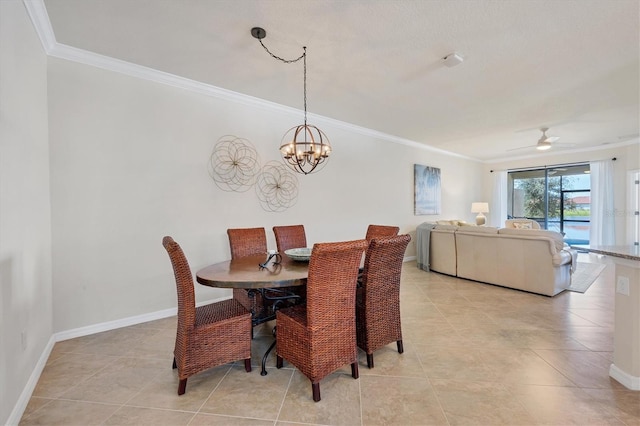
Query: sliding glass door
x=558 y=198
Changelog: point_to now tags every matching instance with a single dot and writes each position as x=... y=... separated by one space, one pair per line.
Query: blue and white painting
x=426 y=189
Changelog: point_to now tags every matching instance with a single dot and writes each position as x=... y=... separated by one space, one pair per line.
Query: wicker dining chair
x=377 y=231
x=320 y=337
x=245 y=242
x=288 y=237
x=378 y=298
x=209 y=335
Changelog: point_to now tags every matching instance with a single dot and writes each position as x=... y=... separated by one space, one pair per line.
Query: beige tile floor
x=474 y=354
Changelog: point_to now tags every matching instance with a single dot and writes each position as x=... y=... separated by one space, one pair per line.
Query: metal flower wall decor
x=276 y=187
x=234 y=166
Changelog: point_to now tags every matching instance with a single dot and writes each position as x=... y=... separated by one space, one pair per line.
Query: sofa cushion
x=478 y=229
x=454 y=222
x=449 y=228
x=556 y=237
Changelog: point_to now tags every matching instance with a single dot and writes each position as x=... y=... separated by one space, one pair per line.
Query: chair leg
x=354 y=370
x=315 y=388
x=370 y=360
x=278 y=361
x=400 y=347
x=247 y=365
x=174 y=363
x=182 y=386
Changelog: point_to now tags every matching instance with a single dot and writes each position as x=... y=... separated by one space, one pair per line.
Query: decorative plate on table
x=299 y=254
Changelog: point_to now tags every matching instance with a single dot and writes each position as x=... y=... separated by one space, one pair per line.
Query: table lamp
x=480 y=208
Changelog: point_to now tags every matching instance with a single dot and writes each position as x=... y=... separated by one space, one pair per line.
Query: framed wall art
x=426 y=195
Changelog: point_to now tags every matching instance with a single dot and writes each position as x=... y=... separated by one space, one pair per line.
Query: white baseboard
x=27 y=391
x=123 y=322
x=626 y=379
x=25 y=396
x=112 y=325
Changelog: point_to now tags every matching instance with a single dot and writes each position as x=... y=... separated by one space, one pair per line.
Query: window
x=558 y=198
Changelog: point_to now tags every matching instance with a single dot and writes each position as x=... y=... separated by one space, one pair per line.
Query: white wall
x=25 y=226
x=129 y=165
x=627 y=158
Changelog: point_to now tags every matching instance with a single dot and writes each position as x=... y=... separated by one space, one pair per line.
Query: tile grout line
x=426 y=376
x=198 y=411
x=284 y=397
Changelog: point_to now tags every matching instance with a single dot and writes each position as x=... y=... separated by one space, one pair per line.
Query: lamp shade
x=479 y=207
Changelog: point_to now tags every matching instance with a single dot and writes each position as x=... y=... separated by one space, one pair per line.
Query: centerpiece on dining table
x=302 y=254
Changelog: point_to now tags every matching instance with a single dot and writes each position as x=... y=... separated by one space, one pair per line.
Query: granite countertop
x=625 y=252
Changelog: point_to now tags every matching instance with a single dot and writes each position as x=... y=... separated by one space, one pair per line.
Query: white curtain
x=602 y=205
x=498 y=207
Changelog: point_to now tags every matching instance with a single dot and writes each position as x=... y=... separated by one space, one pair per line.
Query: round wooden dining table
x=247 y=273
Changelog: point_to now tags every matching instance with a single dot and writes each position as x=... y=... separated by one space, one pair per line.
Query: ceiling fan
x=545 y=142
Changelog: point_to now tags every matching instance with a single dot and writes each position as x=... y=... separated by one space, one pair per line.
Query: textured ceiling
x=572 y=66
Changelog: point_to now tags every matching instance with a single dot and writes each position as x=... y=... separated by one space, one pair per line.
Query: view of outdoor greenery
x=559 y=199
x=534 y=196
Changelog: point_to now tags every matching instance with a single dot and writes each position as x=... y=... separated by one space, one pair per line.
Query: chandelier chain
x=286 y=61
x=304 y=55
x=291 y=61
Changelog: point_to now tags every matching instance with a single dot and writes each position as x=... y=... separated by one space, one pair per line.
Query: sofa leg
x=370 y=360
x=400 y=347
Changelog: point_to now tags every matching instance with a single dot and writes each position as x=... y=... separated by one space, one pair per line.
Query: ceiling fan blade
x=522 y=147
x=552 y=138
x=551 y=146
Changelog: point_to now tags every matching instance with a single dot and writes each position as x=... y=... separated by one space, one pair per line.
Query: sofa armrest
x=562 y=257
x=573 y=255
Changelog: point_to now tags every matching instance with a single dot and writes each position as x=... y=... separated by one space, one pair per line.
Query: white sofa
x=532 y=260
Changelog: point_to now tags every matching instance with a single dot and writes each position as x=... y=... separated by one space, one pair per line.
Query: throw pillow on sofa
x=522 y=225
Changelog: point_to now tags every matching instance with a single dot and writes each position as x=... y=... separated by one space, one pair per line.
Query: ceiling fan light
x=543 y=145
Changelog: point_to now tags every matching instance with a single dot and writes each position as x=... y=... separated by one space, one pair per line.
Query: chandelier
x=304 y=147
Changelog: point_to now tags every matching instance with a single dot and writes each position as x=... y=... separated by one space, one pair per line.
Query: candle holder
x=271 y=255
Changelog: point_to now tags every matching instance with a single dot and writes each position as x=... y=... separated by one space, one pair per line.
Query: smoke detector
x=452 y=59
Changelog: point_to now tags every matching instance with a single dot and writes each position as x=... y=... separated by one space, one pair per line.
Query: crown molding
x=364 y=131
x=40 y=18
